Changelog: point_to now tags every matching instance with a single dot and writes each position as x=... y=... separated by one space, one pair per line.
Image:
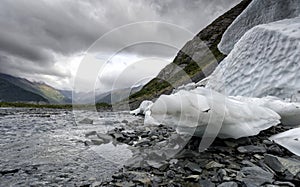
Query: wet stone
x=214 y=164
x=193 y=178
x=97 y=141
x=284 y=183
x=195 y=168
x=143 y=142
x=170 y=174
x=228 y=184
x=86 y=121
x=252 y=176
x=206 y=183
x=91 y=133
x=251 y=149
x=281 y=165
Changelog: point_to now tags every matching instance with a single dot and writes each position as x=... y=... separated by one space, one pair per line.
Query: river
x=45 y=147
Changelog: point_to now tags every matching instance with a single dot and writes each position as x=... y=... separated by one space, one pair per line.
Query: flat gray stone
x=251 y=149
x=228 y=184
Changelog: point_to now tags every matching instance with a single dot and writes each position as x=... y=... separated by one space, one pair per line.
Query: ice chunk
x=144 y=107
x=193 y=111
x=289 y=112
x=265 y=61
x=258 y=12
x=289 y=139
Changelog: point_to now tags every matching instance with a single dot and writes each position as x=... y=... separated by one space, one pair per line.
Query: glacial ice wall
x=258 y=12
x=265 y=61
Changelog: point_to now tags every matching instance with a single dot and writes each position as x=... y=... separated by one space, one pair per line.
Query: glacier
x=258 y=12
x=265 y=61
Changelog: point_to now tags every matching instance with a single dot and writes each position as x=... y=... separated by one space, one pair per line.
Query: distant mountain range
x=15 y=89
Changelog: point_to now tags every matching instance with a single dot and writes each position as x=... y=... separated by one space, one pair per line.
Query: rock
x=259 y=157
x=206 y=183
x=267 y=142
x=214 y=164
x=173 y=161
x=97 y=141
x=222 y=173
x=284 y=183
x=251 y=149
x=124 y=121
x=274 y=149
x=125 y=184
x=282 y=165
x=106 y=138
x=248 y=163
x=233 y=165
x=170 y=174
x=195 y=168
x=143 y=142
x=230 y=143
x=118 y=136
x=193 y=178
x=156 y=179
x=88 y=143
x=96 y=184
x=228 y=184
x=157 y=165
x=134 y=162
x=86 y=121
x=140 y=177
x=254 y=176
x=9 y=171
x=243 y=141
x=91 y=133
x=118 y=176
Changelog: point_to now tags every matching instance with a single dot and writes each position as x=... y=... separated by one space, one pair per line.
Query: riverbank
x=99 y=106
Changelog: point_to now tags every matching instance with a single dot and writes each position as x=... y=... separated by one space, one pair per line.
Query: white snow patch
x=289 y=139
x=264 y=62
x=258 y=12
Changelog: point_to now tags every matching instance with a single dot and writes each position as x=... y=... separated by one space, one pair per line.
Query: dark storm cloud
x=36 y=32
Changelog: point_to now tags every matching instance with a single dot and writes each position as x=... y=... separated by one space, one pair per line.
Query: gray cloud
x=34 y=33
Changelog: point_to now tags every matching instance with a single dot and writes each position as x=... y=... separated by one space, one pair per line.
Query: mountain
x=12 y=93
x=24 y=87
x=197 y=59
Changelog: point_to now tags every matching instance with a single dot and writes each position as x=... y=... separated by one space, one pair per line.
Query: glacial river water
x=45 y=147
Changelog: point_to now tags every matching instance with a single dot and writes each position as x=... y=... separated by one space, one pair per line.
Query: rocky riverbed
x=164 y=158
x=45 y=147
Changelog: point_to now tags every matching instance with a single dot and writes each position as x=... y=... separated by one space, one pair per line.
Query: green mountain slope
x=170 y=77
x=12 y=93
x=49 y=93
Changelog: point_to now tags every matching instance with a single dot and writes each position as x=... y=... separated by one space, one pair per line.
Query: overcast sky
x=46 y=40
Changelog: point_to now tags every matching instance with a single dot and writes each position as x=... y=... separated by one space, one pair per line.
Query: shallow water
x=45 y=147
